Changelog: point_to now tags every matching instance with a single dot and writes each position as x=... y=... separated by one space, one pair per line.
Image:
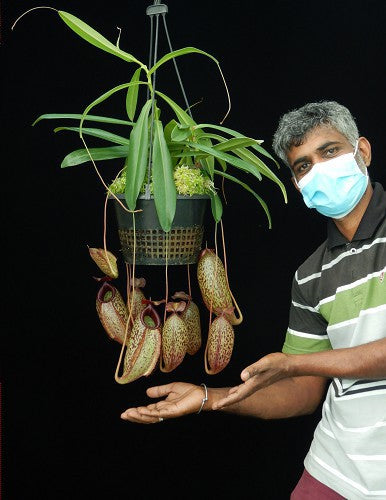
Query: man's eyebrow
x=320 y=148
x=326 y=144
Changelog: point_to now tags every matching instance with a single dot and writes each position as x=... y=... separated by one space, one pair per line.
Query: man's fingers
x=159 y=391
x=234 y=395
x=242 y=387
x=221 y=403
x=232 y=390
x=133 y=415
x=228 y=400
x=151 y=406
x=162 y=411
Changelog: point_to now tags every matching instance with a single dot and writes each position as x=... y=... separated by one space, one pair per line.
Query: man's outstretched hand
x=180 y=399
x=265 y=372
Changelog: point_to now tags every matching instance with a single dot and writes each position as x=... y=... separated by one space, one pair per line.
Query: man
x=337 y=325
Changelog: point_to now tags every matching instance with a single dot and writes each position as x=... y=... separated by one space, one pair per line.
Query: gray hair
x=296 y=124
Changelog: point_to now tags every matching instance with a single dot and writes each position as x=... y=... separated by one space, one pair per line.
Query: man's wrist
x=214 y=395
x=293 y=365
x=204 y=399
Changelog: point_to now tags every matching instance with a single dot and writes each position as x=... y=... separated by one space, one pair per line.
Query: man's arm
x=363 y=362
x=289 y=397
x=277 y=386
x=285 y=398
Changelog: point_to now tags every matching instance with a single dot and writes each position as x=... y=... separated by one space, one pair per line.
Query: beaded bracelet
x=204 y=399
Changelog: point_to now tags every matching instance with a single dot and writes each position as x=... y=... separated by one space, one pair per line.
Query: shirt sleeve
x=307 y=329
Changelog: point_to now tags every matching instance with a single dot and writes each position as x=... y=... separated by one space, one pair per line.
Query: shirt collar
x=373 y=216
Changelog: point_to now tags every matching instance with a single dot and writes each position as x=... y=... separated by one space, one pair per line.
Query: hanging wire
x=176 y=67
x=150 y=51
x=153 y=49
x=147 y=191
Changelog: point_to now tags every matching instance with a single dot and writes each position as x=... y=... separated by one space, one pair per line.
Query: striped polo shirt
x=338 y=301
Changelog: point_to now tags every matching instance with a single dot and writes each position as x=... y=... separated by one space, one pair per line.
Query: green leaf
x=257 y=146
x=96 y=132
x=94 y=38
x=232 y=160
x=102 y=98
x=172 y=145
x=222 y=164
x=182 y=115
x=220 y=139
x=217 y=137
x=82 y=156
x=165 y=194
x=177 y=53
x=216 y=206
x=247 y=155
x=168 y=130
x=227 y=130
x=232 y=144
x=180 y=132
x=132 y=95
x=137 y=157
x=245 y=186
x=208 y=161
x=91 y=118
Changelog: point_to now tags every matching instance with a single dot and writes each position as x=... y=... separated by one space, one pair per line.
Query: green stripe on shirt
x=294 y=344
x=350 y=302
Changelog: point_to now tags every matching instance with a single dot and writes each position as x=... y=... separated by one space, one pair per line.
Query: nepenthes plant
x=163 y=174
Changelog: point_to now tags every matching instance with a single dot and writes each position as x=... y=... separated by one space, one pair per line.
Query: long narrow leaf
x=94 y=38
x=168 y=129
x=132 y=95
x=82 y=156
x=207 y=162
x=172 y=146
x=223 y=164
x=232 y=160
x=102 y=98
x=182 y=115
x=245 y=186
x=232 y=144
x=247 y=155
x=216 y=206
x=217 y=137
x=181 y=133
x=177 y=53
x=165 y=194
x=137 y=157
x=91 y=118
x=227 y=130
x=257 y=146
x=96 y=132
x=186 y=120
x=177 y=153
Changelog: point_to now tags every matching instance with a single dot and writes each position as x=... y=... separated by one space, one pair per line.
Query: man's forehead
x=315 y=139
x=317 y=136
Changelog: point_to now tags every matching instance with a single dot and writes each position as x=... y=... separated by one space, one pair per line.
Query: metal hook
x=156 y=8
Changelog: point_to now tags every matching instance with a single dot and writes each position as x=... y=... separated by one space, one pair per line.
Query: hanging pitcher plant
x=161 y=161
x=181 y=157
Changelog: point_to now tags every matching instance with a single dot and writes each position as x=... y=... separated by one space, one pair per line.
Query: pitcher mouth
x=153 y=315
x=106 y=293
x=204 y=251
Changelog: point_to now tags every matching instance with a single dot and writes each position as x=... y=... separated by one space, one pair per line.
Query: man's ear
x=294 y=183
x=364 y=148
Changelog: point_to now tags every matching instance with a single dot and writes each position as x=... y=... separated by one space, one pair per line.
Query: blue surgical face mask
x=334 y=187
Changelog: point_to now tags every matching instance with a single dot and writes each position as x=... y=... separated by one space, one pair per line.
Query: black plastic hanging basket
x=181 y=245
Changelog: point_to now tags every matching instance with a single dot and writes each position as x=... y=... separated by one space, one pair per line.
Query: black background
x=62 y=435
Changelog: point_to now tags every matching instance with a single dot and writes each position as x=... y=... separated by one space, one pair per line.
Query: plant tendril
x=30 y=10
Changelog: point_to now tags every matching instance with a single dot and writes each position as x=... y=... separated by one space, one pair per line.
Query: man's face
x=321 y=144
